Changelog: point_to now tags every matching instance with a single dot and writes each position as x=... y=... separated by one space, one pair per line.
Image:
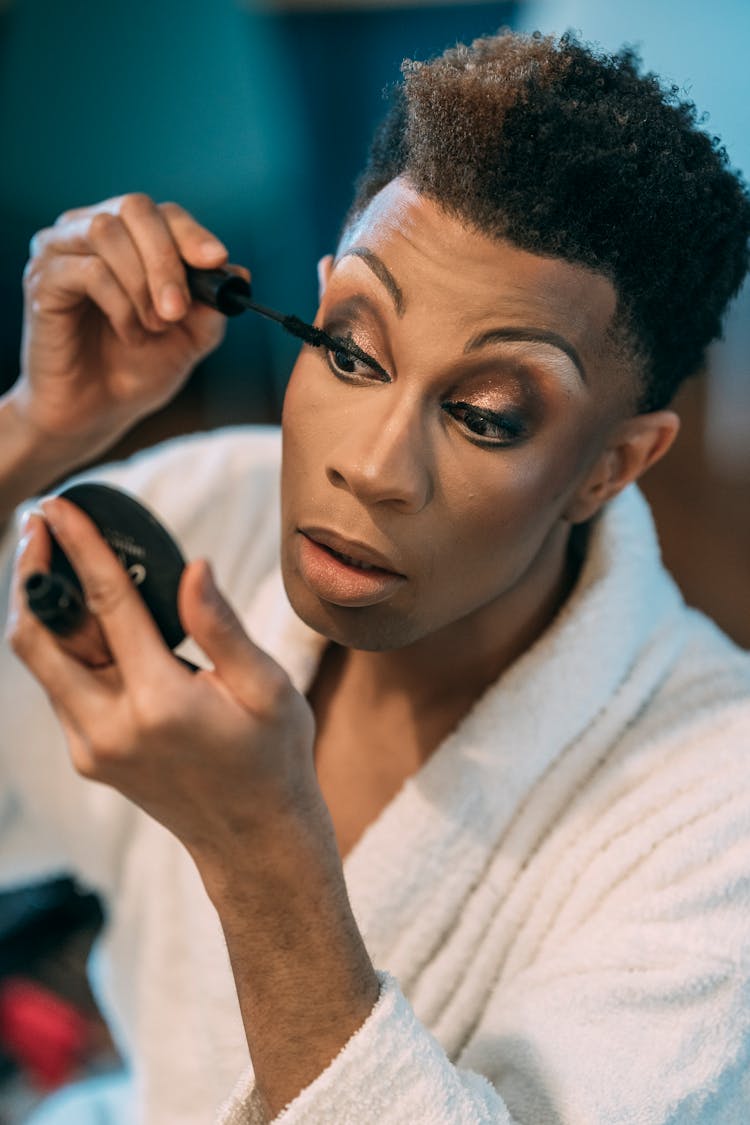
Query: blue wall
x=257 y=122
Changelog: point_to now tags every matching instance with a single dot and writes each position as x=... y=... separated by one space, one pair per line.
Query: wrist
x=30 y=460
x=290 y=850
x=287 y=880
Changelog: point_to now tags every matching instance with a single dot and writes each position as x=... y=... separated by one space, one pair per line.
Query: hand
x=222 y=758
x=110 y=334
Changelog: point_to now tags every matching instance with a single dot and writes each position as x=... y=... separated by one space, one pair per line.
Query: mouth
x=352 y=561
x=351 y=552
x=344 y=572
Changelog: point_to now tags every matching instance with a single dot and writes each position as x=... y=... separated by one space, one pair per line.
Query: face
x=434 y=488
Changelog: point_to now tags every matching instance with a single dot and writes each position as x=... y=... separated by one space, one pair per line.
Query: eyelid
x=354 y=311
x=357 y=304
x=538 y=370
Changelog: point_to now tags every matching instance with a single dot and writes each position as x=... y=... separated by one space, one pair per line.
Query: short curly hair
x=567 y=151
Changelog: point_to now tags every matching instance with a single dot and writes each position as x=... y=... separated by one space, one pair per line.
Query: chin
x=375 y=628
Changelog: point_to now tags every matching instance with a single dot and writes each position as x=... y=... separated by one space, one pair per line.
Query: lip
x=338 y=582
x=353 y=548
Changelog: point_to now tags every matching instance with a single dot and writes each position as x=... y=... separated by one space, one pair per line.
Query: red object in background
x=45 y=1035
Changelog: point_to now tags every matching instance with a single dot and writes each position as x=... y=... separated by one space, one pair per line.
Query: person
x=453 y=824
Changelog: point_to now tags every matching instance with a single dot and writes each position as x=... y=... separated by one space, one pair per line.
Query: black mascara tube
x=55 y=602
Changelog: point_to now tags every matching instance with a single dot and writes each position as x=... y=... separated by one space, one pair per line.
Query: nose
x=384 y=458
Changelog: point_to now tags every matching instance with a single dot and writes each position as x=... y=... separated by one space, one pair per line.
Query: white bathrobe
x=558 y=903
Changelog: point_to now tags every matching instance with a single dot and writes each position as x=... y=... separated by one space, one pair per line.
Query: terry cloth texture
x=558 y=902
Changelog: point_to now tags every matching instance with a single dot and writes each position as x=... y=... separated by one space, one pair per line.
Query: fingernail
x=27 y=516
x=211 y=247
x=171 y=301
x=51 y=512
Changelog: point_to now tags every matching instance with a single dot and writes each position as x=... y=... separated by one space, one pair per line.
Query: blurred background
x=257 y=117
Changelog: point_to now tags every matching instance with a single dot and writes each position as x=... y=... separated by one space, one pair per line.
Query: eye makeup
x=343 y=357
x=487 y=427
x=493 y=409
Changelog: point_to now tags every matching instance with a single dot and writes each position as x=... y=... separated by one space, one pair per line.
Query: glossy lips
x=342 y=571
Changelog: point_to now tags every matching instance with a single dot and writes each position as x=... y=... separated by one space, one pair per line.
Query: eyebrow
x=381 y=271
x=531 y=335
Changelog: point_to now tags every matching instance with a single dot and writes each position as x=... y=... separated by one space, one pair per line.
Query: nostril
x=335 y=477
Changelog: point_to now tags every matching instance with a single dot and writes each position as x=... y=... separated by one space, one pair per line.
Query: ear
x=636 y=445
x=325 y=267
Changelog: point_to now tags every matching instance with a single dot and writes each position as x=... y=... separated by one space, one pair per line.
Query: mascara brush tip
x=308 y=332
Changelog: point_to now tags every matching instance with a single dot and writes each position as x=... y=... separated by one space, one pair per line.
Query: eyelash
x=509 y=428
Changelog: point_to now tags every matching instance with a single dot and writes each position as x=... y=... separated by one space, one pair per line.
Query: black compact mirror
x=142 y=544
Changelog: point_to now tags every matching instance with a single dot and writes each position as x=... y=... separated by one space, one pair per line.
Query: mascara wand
x=231 y=295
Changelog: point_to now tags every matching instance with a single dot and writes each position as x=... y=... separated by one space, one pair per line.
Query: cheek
x=299 y=401
x=501 y=492
x=302 y=425
x=500 y=512
x=315 y=411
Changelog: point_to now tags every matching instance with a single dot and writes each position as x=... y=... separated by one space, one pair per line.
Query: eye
x=351 y=363
x=492 y=429
x=342 y=362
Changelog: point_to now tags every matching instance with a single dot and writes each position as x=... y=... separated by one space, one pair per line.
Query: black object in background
x=34 y=920
x=37 y=923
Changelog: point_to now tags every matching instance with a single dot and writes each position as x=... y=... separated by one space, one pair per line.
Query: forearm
x=304 y=979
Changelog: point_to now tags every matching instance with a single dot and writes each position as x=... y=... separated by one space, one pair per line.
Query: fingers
x=251 y=675
x=112 y=241
x=62 y=282
x=159 y=254
x=129 y=630
x=142 y=244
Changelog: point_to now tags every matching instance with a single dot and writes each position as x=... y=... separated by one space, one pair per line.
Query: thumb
x=252 y=676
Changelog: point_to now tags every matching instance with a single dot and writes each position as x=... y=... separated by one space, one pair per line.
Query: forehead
x=464 y=277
